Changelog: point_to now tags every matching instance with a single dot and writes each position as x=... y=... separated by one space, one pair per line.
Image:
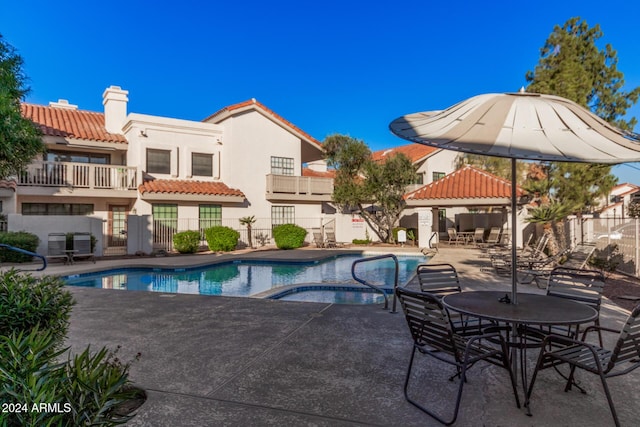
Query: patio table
x=531 y=309
x=467 y=236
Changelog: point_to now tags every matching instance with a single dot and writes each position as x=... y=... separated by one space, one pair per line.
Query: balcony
x=299 y=188
x=79 y=176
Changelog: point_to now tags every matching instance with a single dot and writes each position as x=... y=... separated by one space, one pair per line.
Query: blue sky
x=347 y=67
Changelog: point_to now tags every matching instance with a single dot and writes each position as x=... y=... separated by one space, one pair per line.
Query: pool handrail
x=378 y=288
x=23 y=251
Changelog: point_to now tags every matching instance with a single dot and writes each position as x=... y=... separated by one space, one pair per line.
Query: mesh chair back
x=427 y=319
x=438 y=279
x=478 y=235
x=494 y=235
x=585 y=286
x=628 y=345
x=57 y=244
x=82 y=244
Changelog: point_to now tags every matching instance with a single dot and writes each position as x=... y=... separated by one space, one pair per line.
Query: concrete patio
x=209 y=361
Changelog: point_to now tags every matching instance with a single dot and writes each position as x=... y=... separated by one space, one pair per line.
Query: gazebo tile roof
x=466 y=183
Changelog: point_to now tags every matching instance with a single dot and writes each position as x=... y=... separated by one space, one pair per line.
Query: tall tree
x=375 y=189
x=20 y=140
x=572 y=66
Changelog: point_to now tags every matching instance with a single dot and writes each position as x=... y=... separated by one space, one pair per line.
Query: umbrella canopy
x=521 y=126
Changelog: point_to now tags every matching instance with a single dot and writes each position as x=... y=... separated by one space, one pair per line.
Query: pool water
x=249 y=278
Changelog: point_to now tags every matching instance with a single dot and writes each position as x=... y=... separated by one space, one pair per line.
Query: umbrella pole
x=514 y=238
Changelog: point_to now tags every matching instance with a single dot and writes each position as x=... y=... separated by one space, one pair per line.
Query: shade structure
x=521 y=125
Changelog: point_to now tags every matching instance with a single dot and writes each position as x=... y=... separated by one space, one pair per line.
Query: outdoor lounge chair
x=433 y=335
x=478 y=236
x=82 y=247
x=624 y=358
x=331 y=242
x=454 y=237
x=317 y=239
x=57 y=246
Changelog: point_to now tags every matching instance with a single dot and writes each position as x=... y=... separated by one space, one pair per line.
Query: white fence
x=615 y=238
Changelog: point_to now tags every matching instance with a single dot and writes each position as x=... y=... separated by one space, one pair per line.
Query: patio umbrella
x=521 y=125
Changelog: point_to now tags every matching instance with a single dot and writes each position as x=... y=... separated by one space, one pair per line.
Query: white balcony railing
x=299 y=185
x=80 y=175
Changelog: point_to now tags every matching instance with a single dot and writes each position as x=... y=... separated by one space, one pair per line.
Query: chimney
x=64 y=104
x=115 y=100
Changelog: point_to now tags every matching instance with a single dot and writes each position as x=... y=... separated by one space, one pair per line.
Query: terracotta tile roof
x=252 y=103
x=8 y=183
x=415 y=152
x=466 y=183
x=70 y=123
x=171 y=186
x=330 y=173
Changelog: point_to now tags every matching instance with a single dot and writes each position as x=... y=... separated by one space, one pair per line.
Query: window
x=282 y=215
x=438 y=175
x=158 y=161
x=56 y=209
x=165 y=222
x=209 y=216
x=69 y=156
x=281 y=165
x=419 y=179
x=201 y=164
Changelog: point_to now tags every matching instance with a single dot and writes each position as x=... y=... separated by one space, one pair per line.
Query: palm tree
x=248 y=221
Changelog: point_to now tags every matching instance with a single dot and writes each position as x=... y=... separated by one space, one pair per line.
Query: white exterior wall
x=441 y=161
x=57 y=224
x=181 y=138
x=250 y=141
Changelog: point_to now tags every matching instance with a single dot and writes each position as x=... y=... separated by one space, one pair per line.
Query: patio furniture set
x=476 y=237
x=57 y=248
x=462 y=328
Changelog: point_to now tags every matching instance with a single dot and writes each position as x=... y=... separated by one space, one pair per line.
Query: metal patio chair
x=433 y=335
x=442 y=280
x=317 y=239
x=583 y=286
x=624 y=358
x=454 y=237
x=82 y=247
x=57 y=247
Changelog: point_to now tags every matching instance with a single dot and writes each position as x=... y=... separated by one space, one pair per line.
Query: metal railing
x=301 y=185
x=261 y=230
x=372 y=286
x=25 y=252
x=80 y=175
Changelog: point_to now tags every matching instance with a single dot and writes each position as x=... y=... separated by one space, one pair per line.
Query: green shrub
x=18 y=239
x=186 y=242
x=220 y=238
x=87 y=390
x=26 y=302
x=361 y=241
x=289 y=236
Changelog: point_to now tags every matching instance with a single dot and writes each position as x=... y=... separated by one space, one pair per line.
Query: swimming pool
x=250 y=278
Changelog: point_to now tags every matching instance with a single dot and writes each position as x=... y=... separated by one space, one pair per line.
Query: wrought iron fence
x=261 y=230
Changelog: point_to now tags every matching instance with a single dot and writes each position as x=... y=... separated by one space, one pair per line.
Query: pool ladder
x=22 y=251
x=378 y=288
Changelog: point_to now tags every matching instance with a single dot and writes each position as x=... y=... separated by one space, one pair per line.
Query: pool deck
x=217 y=361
